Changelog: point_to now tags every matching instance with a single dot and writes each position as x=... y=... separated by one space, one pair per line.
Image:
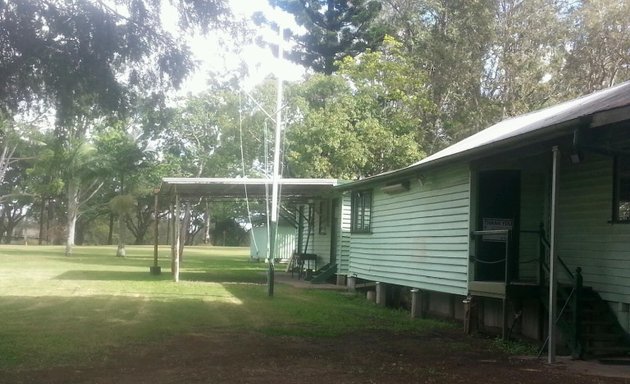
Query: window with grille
x=361 y=211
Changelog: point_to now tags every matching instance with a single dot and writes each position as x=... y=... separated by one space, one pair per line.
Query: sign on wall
x=493 y=224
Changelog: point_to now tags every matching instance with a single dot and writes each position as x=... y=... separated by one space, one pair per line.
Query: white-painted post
x=416 y=304
x=176 y=241
x=553 y=256
x=171 y=234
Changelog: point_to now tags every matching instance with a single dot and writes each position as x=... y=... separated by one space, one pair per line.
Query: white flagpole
x=276 y=170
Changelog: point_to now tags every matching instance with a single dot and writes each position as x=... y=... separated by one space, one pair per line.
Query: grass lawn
x=57 y=310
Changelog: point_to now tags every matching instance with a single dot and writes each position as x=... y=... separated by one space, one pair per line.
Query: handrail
x=547 y=244
x=566 y=269
x=573 y=299
x=544 y=240
x=557 y=320
x=506 y=259
x=491 y=232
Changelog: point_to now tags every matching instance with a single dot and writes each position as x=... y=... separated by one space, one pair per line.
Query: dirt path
x=216 y=357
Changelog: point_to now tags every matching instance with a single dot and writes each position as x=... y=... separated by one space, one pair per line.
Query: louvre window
x=621 y=200
x=361 y=211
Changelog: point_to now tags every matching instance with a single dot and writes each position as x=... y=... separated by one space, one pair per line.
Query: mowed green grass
x=58 y=310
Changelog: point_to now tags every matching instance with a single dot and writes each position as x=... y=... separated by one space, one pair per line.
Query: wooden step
x=598 y=322
x=598 y=336
x=601 y=334
x=608 y=350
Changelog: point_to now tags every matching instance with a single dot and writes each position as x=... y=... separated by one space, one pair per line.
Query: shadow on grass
x=146 y=261
x=207 y=277
x=224 y=277
x=46 y=331
x=135 y=261
x=111 y=275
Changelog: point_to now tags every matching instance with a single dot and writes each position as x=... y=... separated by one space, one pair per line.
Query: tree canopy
x=388 y=82
x=90 y=52
x=335 y=29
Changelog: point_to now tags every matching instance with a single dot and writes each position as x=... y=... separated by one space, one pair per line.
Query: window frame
x=361 y=211
x=618 y=175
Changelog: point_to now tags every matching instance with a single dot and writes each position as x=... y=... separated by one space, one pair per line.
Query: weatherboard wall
x=307 y=232
x=585 y=236
x=286 y=242
x=316 y=239
x=419 y=238
x=321 y=237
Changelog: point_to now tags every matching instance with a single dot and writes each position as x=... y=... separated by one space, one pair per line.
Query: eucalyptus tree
x=82 y=178
x=527 y=53
x=8 y=145
x=448 y=41
x=193 y=135
x=362 y=120
x=598 y=48
x=220 y=133
x=16 y=193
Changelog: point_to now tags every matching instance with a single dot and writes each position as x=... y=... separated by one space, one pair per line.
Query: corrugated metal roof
x=537 y=122
x=238 y=187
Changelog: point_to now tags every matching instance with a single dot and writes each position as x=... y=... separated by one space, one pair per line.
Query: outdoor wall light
x=399 y=187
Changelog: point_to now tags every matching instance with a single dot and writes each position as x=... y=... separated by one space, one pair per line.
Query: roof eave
x=508 y=144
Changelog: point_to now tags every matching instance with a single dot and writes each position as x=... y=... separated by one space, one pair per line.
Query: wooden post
x=540 y=331
x=576 y=350
x=541 y=256
x=381 y=294
x=468 y=314
x=155 y=269
x=505 y=319
x=481 y=313
x=417 y=303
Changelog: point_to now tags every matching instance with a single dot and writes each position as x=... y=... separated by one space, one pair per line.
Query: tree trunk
x=120 y=251
x=140 y=238
x=73 y=213
x=206 y=233
x=79 y=236
x=144 y=216
x=42 y=211
x=50 y=215
x=110 y=234
x=3 y=226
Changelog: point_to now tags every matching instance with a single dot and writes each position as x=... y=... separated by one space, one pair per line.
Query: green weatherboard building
x=477 y=228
